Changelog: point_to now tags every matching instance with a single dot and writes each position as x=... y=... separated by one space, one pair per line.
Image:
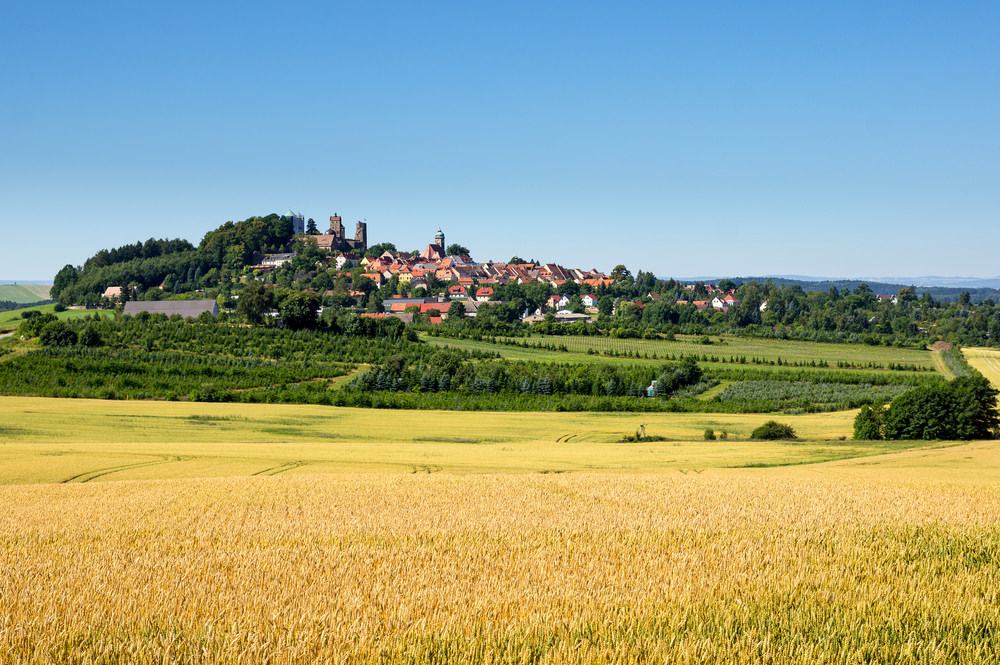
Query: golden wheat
x=723 y=566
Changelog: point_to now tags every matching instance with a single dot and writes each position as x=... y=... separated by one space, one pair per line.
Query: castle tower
x=439 y=239
x=361 y=237
x=336 y=227
x=298 y=221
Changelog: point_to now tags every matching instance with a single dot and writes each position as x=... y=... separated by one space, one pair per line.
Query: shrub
x=710 y=434
x=773 y=430
x=869 y=425
x=57 y=333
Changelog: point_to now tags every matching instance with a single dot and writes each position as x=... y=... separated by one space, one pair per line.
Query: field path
x=986 y=361
x=941 y=366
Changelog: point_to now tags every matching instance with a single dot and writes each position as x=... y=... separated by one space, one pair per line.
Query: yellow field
x=57 y=440
x=749 y=566
x=649 y=552
x=987 y=361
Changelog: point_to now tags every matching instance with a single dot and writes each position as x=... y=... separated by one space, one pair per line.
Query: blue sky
x=829 y=138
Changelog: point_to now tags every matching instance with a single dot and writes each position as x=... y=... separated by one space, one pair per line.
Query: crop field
x=987 y=361
x=722 y=349
x=822 y=563
x=24 y=293
x=75 y=440
x=228 y=533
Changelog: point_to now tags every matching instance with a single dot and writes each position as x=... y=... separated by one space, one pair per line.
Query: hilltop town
x=344 y=271
x=283 y=270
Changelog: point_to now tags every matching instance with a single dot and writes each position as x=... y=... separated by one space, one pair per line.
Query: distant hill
x=943 y=293
x=24 y=293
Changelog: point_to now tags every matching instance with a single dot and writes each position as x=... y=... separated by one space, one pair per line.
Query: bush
x=772 y=431
x=710 y=434
x=869 y=425
x=57 y=333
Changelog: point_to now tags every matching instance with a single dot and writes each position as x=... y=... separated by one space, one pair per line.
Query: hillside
x=951 y=293
x=24 y=293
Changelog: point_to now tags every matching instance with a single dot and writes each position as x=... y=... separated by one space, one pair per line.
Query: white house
x=276 y=260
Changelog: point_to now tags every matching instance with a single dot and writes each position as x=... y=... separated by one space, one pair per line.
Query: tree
x=516 y=260
x=311 y=227
x=299 y=311
x=773 y=431
x=90 y=337
x=57 y=333
x=605 y=305
x=380 y=249
x=575 y=304
x=869 y=424
x=456 y=310
x=620 y=273
x=254 y=302
x=964 y=409
x=455 y=249
x=63 y=280
x=307 y=254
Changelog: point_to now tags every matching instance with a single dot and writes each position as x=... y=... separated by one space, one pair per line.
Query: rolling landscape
x=337 y=483
x=499 y=333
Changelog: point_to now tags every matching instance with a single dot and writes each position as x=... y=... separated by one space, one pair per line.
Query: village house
x=275 y=260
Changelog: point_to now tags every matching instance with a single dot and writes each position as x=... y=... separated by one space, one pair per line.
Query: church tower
x=439 y=240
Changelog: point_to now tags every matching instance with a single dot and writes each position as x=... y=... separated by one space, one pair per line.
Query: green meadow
x=9 y=321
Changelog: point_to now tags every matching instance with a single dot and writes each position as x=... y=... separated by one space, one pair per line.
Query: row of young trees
x=448 y=371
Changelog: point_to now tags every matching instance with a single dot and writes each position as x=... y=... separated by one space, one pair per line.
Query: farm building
x=189 y=309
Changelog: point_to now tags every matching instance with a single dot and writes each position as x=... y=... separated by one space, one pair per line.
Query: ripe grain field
x=45 y=440
x=792 y=565
x=987 y=361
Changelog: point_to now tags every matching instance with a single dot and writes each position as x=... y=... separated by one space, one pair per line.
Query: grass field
x=831 y=563
x=987 y=361
x=61 y=440
x=766 y=350
x=24 y=293
x=11 y=320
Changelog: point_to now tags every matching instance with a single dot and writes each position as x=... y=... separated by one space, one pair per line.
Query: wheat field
x=987 y=361
x=827 y=563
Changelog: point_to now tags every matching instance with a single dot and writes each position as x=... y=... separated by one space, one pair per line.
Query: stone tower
x=439 y=240
x=361 y=236
x=336 y=227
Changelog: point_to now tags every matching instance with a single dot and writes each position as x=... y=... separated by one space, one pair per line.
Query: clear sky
x=686 y=138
